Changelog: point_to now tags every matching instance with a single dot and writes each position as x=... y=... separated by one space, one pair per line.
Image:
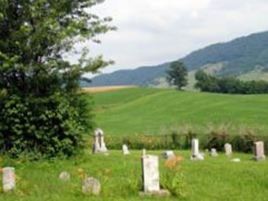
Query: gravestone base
x=160 y=193
x=260 y=158
x=198 y=157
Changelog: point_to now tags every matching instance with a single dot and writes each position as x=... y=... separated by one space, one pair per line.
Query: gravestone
x=196 y=155
x=99 y=144
x=228 y=149
x=125 y=149
x=64 y=176
x=259 y=151
x=168 y=154
x=150 y=176
x=213 y=152
x=91 y=186
x=9 y=179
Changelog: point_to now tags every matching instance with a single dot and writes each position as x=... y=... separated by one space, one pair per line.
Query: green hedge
x=240 y=143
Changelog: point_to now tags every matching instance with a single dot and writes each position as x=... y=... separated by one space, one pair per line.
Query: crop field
x=154 y=111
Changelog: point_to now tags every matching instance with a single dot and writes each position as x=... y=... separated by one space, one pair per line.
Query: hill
x=236 y=58
x=155 y=111
x=141 y=76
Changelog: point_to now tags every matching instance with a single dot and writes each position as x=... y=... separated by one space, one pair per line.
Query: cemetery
x=159 y=138
x=142 y=175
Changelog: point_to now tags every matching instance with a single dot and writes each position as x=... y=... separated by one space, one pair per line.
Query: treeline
x=231 y=85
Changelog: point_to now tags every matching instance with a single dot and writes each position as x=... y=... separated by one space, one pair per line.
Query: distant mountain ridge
x=237 y=57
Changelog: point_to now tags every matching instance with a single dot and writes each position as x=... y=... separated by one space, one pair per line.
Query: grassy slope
x=151 y=111
x=120 y=176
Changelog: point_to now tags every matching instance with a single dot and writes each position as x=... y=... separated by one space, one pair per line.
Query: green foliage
x=231 y=85
x=46 y=126
x=177 y=75
x=174 y=181
x=42 y=110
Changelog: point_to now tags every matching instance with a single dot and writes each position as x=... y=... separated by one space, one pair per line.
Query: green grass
x=213 y=179
x=152 y=111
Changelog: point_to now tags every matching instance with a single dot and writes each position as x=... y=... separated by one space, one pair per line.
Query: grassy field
x=153 y=111
x=120 y=176
x=106 y=89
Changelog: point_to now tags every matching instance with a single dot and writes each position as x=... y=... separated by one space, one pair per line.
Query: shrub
x=43 y=126
x=217 y=139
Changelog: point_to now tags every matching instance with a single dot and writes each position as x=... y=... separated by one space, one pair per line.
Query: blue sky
x=155 y=31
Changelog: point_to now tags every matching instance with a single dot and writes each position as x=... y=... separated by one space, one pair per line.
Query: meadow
x=148 y=111
x=120 y=176
x=137 y=111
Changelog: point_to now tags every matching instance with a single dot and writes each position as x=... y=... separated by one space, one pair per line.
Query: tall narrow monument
x=99 y=145
x=196 y=155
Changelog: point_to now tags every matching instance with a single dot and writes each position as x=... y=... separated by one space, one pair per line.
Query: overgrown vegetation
x=42 y=111
x=230 y=85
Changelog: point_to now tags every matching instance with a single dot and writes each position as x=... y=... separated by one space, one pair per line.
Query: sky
x=152 y=32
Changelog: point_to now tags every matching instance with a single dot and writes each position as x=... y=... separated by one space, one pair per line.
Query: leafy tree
x=43 y=111
x=229 y=85
x=177 y=75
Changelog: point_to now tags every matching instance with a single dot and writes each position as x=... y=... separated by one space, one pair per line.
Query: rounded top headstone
x=99 y=131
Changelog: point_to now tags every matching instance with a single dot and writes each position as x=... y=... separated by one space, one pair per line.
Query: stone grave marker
x=213 y=152
x=150 y=176
x=259 y=151
x=125 y=149
x=91 y=186
x=64 y=176
x=99 y=145
x=228 y=149
x=168 y=154
x=9 y=179
x=196 y=155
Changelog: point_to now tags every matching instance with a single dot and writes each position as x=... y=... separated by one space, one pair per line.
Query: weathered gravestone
x=213 y=152
x=228 y=149
x=99 y=144
x=150 y=176
x=259 y=151
x=168 y=154
x=9 y=179
x=64 y=176
x=91 y=186
x=196 y=155
x=125 y=149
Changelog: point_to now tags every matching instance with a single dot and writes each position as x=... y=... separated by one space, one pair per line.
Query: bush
x=217 y=140
x=45 y=127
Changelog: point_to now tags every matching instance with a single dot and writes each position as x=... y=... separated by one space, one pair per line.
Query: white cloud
x=154 y=31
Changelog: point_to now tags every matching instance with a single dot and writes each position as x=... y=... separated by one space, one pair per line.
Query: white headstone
x=143 y=152
x=64 y=176
x=259 y=150
x=228 y=149
x=168 y=154
x=125 y=149
x=150 y=173
x=213 y=152
x=91 y=186
x=196 y=155
x=99 y=145
x=9 y=179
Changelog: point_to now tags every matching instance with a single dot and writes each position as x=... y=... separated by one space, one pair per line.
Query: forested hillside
x=242 y=56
